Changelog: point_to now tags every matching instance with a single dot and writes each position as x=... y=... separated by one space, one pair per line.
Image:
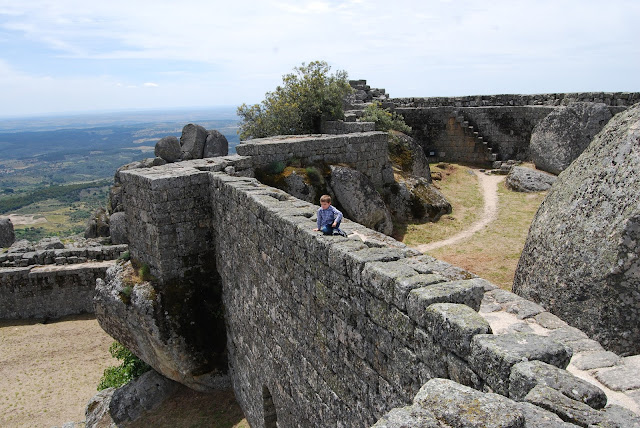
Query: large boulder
x=7 y=236
x=407 y=155
x=215 y=145
x=523 y=179
x=176 y=327
x=561 y=136
x=412 y=198
x=118 y=228
x=359 y=198
x=128 y=403
x=192 y=141
x=168 y=148
x=581 y=259
x=98 y=224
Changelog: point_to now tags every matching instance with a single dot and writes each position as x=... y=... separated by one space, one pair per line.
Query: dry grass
x=460 y=186
x=492 y=253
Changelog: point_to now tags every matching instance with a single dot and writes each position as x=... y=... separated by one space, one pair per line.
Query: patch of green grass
x=460 y=186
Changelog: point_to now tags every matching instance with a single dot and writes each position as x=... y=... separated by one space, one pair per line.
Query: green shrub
x=130 y=368
x=384 y=119
x=125 y=256
x=306 y=98
x=144 y=272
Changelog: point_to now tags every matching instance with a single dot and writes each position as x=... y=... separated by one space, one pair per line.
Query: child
x=329 y=217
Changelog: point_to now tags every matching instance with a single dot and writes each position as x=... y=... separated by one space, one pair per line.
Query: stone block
x=567 y=409
x=461 y=406
x=526 y=375
x=404 y=285
x=493 y=356
x=467 y=292
x=379 y=278
x=620 y=378
x=454 y=325
x=409 y=416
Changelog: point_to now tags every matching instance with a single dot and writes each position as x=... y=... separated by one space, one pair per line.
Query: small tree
x=306 y=98
x=384 y=119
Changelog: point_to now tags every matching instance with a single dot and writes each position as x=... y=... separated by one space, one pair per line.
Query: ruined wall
x=363 y=151
x=322 y=331
x=49 y=291
x=614 y=99
x=505 y=121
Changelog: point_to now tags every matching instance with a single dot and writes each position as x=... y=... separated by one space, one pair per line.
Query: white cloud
x=150 y=85
x=241 y=49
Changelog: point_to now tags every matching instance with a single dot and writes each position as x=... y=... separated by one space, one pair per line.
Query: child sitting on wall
x=329 y=218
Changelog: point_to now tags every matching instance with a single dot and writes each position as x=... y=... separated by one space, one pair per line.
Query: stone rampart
x=363 y=151
x=49 y=291
x=329 y=331
x=504 y=121
x=62 y=256
x=614 y=99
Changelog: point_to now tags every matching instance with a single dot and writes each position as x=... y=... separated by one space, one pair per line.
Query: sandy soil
x=18 y=219
x=48 y=372
x=489 y=186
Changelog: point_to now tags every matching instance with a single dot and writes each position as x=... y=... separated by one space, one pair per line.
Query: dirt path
x=489 y=187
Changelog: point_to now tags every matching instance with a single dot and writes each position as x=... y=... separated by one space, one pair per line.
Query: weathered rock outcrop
x=7 y=236
x=126 y=404
x=359 y=199
x=406 y=153
x=157 y=323
x=522 y=179
x=168 y=148
x=415 y=198
x=118 y=228
x=581 y=259
x=216 y=144
x=98 y=224
x=192 y=141
x=561 y=136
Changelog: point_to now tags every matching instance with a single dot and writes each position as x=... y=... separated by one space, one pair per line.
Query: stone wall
x=49 y=291
x=62 y=256
x=504 y=121
x=365 y=152
x=614 y=99
x=321 y=331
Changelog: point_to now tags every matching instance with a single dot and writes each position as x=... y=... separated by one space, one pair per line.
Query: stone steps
x=468 y=129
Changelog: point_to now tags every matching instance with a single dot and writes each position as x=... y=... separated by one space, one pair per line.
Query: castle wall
x=363 y=151
x=505 y=121
x=321 y=331
x=49 y=291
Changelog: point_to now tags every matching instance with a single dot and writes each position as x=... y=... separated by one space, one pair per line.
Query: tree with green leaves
x=307 y=97
x=384 y=119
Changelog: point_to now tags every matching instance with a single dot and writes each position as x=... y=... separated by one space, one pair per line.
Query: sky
x=68 y=56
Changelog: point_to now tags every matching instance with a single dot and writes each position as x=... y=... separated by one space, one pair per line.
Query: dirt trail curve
x=489 y=187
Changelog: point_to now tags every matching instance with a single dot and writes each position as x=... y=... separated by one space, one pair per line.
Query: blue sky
x=59 y=56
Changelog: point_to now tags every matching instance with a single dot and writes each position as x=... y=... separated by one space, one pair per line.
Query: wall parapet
x=614 y=99
x=335 y=330
x=51 y=291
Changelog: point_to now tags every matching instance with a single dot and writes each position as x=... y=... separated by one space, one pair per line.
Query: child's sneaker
x=339 y=232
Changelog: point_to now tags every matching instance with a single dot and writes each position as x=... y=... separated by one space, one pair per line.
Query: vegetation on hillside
x=384 y=119
x=307 y=97
x=64 y=193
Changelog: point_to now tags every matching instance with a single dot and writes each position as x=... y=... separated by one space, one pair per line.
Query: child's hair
x=325 y=198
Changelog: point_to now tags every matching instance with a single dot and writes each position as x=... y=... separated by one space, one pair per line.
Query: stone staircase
x=364 y=95
x=482 y=147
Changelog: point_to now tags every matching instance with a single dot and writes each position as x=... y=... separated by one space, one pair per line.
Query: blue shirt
x=329 y=216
